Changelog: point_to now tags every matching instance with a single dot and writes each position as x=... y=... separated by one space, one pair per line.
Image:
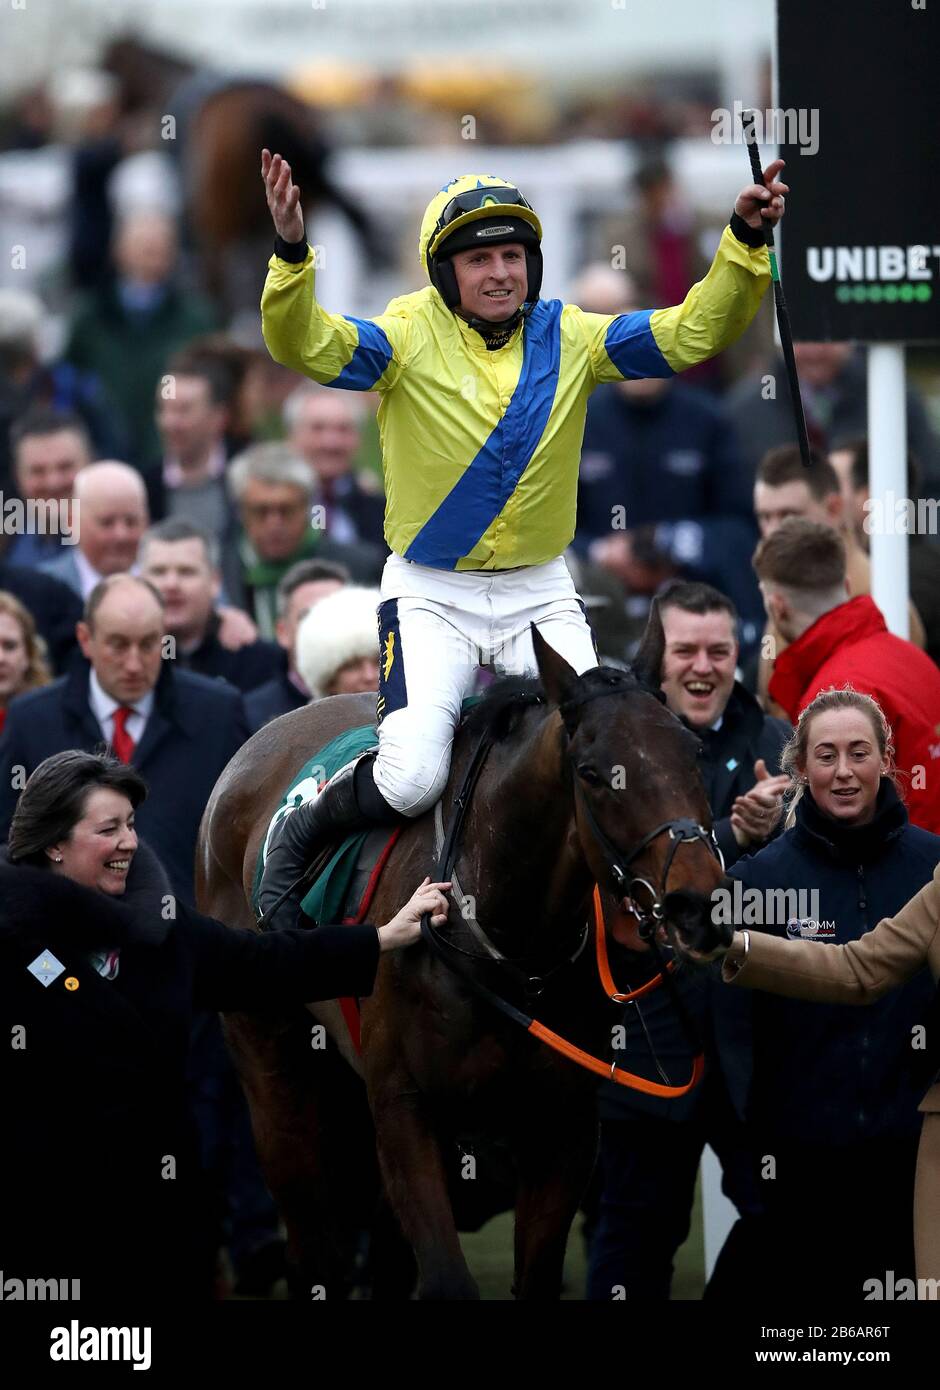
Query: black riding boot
x=350 y=801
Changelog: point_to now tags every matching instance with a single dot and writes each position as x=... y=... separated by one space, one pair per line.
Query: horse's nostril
x=686 y=909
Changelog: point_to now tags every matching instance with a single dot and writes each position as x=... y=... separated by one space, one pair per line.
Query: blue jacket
x=674 y=464
x=276 y=697
x=827 y=1073
x=195 y=727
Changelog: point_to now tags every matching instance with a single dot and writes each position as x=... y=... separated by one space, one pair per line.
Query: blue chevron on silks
x=370 y=357
x=631 y=347
x=486 y=485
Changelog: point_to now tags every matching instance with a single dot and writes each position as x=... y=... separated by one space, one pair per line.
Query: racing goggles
x=476 y=198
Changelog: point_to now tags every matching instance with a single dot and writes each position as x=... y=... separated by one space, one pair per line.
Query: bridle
x=681 y=830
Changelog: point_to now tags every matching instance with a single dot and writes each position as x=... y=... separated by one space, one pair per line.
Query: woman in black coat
x=836 y=1090
x=100 y=971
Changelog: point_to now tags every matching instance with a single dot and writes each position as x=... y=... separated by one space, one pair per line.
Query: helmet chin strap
x=487 y=329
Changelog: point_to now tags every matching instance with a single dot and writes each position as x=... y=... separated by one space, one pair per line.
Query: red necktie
x=121 y=741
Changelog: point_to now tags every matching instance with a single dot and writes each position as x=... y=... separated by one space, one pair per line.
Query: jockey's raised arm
x=713 y=315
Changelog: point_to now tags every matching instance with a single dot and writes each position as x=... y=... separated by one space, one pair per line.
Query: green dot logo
x=887 y=294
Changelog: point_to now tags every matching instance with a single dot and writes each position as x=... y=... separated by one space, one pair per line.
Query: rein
x=457 y=959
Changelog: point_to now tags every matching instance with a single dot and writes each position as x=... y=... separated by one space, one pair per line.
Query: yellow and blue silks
x=481 y=449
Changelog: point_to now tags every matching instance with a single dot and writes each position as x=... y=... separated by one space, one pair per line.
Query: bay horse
x=574 y=782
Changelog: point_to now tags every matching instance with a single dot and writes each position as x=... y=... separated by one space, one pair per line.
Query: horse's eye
x=589 y=774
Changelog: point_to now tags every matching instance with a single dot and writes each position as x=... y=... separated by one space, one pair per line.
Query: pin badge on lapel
x=731 y=764
x=45 y=968
x=71 y=982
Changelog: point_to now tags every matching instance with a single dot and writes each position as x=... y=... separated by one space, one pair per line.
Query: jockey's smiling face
x=491 y=280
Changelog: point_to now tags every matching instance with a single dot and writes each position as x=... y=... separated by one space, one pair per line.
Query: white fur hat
x=341 y=627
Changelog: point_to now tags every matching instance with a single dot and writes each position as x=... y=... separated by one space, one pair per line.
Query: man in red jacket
x=836 y=640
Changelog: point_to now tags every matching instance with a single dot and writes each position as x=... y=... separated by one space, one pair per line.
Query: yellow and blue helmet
x=477 y=210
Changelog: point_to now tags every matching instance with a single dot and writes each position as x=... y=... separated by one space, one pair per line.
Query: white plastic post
x=718 y=1213
x=887 y=482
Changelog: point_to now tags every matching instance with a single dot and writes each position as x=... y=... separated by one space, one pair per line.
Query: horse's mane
x=500 y=708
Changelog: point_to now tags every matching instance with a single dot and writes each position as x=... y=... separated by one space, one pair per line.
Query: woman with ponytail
x=835 y=1093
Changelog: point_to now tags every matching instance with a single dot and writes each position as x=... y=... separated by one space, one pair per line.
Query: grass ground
x=489 y=1255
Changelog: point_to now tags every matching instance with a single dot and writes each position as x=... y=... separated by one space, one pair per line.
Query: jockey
x=483 y=389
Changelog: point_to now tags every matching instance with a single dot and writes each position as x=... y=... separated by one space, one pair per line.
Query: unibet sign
x=876 y=274
x=860 y=242
x=871 y=262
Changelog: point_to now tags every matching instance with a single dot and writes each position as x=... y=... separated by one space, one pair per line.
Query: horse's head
x=642 y=817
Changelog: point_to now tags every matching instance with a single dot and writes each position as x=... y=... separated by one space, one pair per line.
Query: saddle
x=343 y=873
x=341 y=869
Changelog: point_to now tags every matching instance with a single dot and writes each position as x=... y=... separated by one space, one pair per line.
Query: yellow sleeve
x=334 y=349
x=716 y=311
x=713 y=315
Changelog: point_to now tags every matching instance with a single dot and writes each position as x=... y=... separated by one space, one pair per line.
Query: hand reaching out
x=405 y=926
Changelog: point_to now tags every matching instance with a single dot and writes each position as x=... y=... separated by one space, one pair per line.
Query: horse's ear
x=648 y=662
x=558 y=678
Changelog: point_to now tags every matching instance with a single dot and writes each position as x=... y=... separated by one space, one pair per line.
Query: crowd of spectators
x=203 y=557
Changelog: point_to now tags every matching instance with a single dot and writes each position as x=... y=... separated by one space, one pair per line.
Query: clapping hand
x=754 y=816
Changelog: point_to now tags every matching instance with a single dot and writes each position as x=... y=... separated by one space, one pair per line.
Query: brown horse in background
x=223 y=124
x=438 y=1061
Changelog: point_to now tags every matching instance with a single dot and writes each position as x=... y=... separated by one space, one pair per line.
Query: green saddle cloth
x=326 y=899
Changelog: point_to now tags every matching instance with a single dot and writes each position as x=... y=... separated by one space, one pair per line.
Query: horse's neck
x=521 y=859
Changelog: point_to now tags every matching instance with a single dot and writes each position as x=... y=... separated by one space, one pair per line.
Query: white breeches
x=435 y=628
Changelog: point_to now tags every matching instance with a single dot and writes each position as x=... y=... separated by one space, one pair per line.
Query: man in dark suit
x=324 y=428
x=305 y=584
x=181 y=560
x=179 y=730
x=651 y=1148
